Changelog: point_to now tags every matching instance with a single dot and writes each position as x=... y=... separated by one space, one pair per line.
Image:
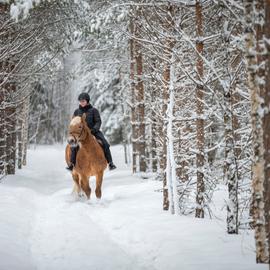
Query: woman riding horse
x=93 y=121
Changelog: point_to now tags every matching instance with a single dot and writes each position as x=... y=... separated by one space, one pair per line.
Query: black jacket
x=92 y=117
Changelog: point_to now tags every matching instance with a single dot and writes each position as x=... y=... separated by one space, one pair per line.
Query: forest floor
x=43 y=226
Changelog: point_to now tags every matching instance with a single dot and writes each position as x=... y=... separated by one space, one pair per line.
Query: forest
x=182 y=85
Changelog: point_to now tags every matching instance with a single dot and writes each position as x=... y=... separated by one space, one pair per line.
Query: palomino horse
x=90 y=159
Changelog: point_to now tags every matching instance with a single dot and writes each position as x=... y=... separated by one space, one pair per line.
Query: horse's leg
x=76 y=180
x=85 y=186
x=99 y=179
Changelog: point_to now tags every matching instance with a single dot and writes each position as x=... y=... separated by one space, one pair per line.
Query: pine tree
x=256 y=58
x=200 y=114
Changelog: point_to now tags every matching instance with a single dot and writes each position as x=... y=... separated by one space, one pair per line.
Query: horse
x=90 y=159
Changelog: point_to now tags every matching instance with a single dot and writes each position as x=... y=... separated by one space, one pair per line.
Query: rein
x=78 y=139
x=81 y=133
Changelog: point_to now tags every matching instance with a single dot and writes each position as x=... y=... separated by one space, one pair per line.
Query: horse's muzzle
x=72 y=142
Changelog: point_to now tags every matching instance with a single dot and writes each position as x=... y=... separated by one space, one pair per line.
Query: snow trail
x=43 y=226
x=66 y=237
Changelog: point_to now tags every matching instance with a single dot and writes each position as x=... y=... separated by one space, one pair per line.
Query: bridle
x=78 y=139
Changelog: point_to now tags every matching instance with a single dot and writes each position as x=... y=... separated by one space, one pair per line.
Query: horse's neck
x=89 y=141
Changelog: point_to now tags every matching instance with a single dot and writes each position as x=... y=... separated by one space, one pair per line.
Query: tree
x=258 y=60
x=200 y=115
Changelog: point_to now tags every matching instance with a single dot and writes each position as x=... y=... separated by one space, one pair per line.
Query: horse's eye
x=80 y=126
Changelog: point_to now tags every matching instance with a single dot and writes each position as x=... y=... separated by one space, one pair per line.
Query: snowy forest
x=183 y=90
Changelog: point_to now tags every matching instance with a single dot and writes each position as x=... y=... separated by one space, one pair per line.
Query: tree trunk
x=3 y=93
x=133 y=99
x=19 y=138
x=200 y=115
x=266 y=126
x=230 y=169
x=259 y=123
x=163 y=162
x=153 y=120
x=171 y=164
x=25 y=117
x=11 y=138
x=139 y=88
x=167 y=157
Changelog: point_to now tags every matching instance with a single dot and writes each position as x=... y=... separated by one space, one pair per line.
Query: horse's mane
x=87 y=129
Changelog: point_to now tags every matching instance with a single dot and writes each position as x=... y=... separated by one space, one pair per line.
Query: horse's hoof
x=89 y=201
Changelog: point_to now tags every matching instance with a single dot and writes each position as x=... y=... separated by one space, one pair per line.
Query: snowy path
x=80 y=242
x=43 y=227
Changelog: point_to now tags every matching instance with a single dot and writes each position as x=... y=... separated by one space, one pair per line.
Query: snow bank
x=17 y=213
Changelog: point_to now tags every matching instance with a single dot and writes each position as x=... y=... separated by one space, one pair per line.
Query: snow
x=14 y=12
x=42 y=226
x=22 y=7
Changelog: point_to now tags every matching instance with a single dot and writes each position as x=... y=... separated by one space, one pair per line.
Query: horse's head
x=77 y=130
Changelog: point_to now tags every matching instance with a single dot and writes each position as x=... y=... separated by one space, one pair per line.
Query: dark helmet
x=84 y=96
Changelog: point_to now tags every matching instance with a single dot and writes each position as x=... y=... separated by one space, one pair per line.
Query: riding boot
x=108 y=156
x=106 y=148
x=112 y=166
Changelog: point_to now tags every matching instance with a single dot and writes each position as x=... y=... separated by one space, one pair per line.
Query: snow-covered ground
x=42 y=226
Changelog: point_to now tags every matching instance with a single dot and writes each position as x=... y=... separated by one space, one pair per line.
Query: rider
x=93 y=122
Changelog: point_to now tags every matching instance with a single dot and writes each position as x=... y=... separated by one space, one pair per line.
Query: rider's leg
x=73 y=155
x=106 y=149
x=107 y=152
